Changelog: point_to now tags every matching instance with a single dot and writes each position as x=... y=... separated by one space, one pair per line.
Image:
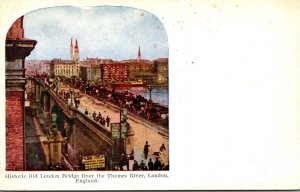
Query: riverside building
x=67 y=68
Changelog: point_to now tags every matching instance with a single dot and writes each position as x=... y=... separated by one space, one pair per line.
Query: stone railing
x=95 y=127
x=75 y=114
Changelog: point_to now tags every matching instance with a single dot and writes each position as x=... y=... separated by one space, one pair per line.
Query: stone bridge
x=81 y=135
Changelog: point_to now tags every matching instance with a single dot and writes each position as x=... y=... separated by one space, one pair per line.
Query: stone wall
x=84 y=141
x=16 y=49
x=14 y=131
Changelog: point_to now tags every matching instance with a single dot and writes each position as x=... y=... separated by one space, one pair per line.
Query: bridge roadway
x=72 y=113
x=144 y=130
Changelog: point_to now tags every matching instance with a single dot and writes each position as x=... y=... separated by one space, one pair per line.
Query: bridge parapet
x=73 y=113
x=59 y=100
x=95 y=127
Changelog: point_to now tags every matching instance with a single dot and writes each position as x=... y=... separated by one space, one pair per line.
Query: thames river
x=158 y=95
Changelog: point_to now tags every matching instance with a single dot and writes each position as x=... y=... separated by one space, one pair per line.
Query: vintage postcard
x=119 y=95
x=95 y=99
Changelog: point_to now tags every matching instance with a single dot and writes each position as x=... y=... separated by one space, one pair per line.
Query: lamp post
x=71 y=93
x=56 y=82
x=150 y=88
x=123 y=128
x=75 y=82
x=55 y=143
x=47 y=131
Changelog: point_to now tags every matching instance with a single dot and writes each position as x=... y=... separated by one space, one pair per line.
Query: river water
x=158 y=95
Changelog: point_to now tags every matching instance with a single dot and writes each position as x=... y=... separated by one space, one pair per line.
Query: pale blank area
x=239 y=77
x=234 y=96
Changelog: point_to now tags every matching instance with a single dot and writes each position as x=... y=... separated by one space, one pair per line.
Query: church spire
x=71 y=49
x=139 y=54
x=76 y=44
x=76 y=51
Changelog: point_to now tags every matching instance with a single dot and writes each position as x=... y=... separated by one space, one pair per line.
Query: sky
x=105 y=32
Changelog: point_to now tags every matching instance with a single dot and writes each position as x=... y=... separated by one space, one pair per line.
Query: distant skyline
x=106 y=32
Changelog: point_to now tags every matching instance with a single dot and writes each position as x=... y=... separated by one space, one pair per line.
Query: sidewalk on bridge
x=143 y=131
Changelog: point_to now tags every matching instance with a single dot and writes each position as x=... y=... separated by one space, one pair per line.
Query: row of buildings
x=107 y=70
x=34 y=67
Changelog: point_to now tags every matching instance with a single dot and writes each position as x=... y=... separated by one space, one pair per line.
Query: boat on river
x=130 y=84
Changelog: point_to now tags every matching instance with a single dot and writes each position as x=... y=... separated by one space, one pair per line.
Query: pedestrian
x=122 y=162
x=75 y=102
x=131 y=155
x=102 y=121
x=127 y=161
x=162 y=149
x=107 y=121
x=135 y=165
x=94 y=115
x=157 y=164
x=78 y=102
x=143 y=165
x=86 y=112
x=150 y=164
x=99 y=115
x=146 y=150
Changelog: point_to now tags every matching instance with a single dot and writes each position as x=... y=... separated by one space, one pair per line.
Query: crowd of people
x=141 y=107
x=134 y=103
x=151 y=165
x=99 y=118
x=156 y=165
x=66 y=95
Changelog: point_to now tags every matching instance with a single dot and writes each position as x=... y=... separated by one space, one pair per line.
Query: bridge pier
x=55 y=146
x=55 y=141
x=67 y=129
x=35 y=97
x=52 y=102
x=31 y=89
x=37 y=93
x=46 y=105
x=77 y=134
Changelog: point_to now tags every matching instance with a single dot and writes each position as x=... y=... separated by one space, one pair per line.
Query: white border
x=234 y=94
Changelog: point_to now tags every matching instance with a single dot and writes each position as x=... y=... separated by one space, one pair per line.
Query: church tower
x=139 y=55
x=76 y=51
x=71 y=50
